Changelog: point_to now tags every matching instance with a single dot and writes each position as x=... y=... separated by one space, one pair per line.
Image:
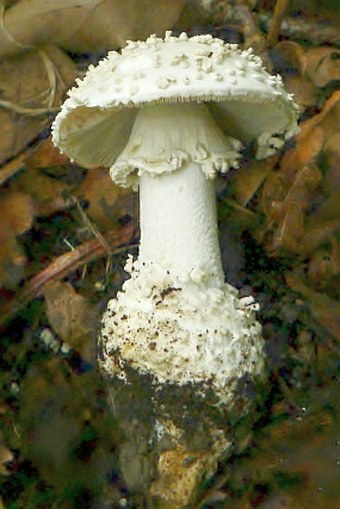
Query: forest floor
x=65 y=233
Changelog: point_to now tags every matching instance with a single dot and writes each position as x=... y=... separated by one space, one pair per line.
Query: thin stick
x=64 y=265
x=251 y=32
x=275 y=25
x=88 y=223
x=13 y=166
x=300 y=29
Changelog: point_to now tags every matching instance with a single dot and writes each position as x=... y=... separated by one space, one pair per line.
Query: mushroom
x=167 y=115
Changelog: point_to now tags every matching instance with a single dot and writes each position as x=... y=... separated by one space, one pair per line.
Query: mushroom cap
x=245 y=101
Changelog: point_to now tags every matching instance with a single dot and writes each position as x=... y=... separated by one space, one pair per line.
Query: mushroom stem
x=175 y=150
x=175 y=318
x=178 y=225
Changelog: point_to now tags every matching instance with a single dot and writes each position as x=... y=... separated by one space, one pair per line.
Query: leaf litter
x=59 y=227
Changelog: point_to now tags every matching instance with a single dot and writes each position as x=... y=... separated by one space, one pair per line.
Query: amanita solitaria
x=167 y=115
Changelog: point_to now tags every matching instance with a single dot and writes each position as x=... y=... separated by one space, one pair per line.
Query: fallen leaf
x=49 y=194
x=17 y=210
x=329 y=209
x=317 y=233
x=107 y=202
x=46 y=155
x=327 y=119
x=306 y=150
x=305 y=93
x=323 y=266
x=71 y=316
x=306 y=180
x=17 y=214
x=294 y=54
x=248 y=180
x=285 y=200
x=84 y=26
x=272 y=196
x=322 y=65
x=12 y=259
x=325 y=310
x=32 y=86
x=289 y=231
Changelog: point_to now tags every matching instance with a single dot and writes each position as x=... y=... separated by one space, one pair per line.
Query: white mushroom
x=167 y=115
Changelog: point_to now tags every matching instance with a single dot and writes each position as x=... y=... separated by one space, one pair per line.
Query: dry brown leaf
x=243 y=218
x=248 y=180
x=46 y=155
x=325 y=310
x=71 y=316
x=272 y=195
x=322 y=268
x=306 y=180
x=12 y=258
x=322 y=225
x=32 y=85
x=285 y=201
x=328 y=210
x=48 y=193
x=17 y=213
x=289 y=231
x=322 y=65
x=84 y=25
x=331 y=120
x=328 y=119
x=17 y=210
x=107 y=201
x=294 y=54
x=306 y=150
x=317 y=233
x=279 y=190
x=297 y=82
x=305 y=93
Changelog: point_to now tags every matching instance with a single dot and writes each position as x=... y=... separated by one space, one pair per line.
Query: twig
x=275 y=25
x=65 y=265
x=92 y=227
x=251 y=32
x=306 y=30
x=13 y=166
